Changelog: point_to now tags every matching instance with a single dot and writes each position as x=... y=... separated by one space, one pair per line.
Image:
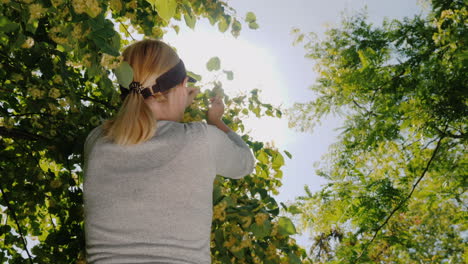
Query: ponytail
x=135 y=122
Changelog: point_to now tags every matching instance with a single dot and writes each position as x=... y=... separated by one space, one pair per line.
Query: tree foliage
x=398 y=173
x=57 y=59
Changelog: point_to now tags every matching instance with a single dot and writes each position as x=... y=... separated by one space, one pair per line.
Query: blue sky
x=266 y=59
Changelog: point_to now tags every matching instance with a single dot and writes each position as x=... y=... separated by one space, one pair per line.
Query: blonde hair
x=135 y=123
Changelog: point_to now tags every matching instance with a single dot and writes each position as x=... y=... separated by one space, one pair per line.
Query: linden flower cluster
x=111 y=62
x=246 y=221
x=36 y=11
x=56 y=3
x=54 y=93
x=65 y=102
x=35 y=92
x=77 y=32
x=54 y=34
x=274 y=230
x=231 y=243
x=7 y=122
x=35 y=123
x=53 y=108
x=85 y=61
x=270 y=251
x=219 y=211
x=90 y=7
x=260 y=218
x=57 y=79
x=116 y=5
x=28 y=43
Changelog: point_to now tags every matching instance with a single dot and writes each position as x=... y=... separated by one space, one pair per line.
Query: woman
x=148 y=178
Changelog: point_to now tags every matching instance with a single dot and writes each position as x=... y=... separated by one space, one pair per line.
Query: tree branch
x=403 y=201
x=84 y=97
x=20 y=134
x=16 y=221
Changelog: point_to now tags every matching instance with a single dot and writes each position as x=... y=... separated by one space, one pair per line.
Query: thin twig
x=17 y=223
x=118 y=20
x=402 y=202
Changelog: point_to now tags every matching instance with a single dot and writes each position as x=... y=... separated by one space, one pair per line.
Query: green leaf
x=124 y=74
x=190 y=20
x=166 y=8
x=293 y=209
x=250 y=17
x=194 y=75
x=293 y=259
x=286 y=226
x=176 y=28
x=213 y=64
x=115 y=42
x=260 y=231
x=262 y=157
x=229 y=75
x=105 y=46
x=256 y=110
x=278 y=113
x=288 y=154
x=236 y=28
x=6 y=25
x=223 y=25
x=253 y=25
x=278 y=161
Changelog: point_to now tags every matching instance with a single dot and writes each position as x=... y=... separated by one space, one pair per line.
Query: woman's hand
x=216 y=111
x=192 y=93
x=177 y=100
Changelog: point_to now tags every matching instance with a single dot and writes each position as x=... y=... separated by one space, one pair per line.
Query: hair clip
x=136 y=87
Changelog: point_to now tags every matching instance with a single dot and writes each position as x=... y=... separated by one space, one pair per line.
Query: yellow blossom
x=274 y=230
x=63 y=102
x=57 y=79
x=74 y=109
x=54 y=33
x=130 y=15
x=87 y=60
x=56 y=3
x=260 y=218
x=219 y=212
x=36 y=11
x=246 y=242
x=90 y=7
x=54 y=93
x=232 y=240
x=34 y=92
x=116 y=5
x=53 y=108
x=77 y=32
x=132 y=4
x=16 y=77
x=79 y=6
x=28 y=43
x=55 y=183
x=111 y=62
x=246 y=221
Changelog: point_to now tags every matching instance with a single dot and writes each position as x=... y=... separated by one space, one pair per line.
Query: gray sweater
x=152 y=202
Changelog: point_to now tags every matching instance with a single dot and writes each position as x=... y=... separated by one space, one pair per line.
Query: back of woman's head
x=135 y=123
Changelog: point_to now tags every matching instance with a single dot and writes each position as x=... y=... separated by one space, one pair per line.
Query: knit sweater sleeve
x=232 y=156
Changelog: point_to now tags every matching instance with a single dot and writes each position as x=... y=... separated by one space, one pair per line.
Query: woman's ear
x=185 y=81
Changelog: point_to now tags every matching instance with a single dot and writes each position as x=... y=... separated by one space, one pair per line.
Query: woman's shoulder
x=196 y=126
